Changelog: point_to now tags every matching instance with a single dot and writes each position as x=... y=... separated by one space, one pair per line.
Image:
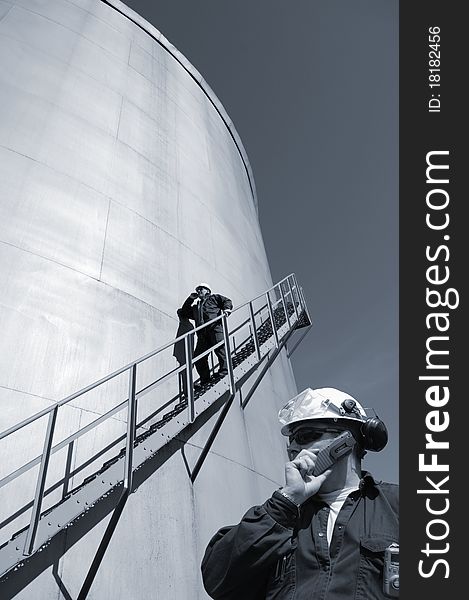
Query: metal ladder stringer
x=269 y=322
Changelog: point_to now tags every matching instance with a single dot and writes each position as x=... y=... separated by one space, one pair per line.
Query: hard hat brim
x=342 y=422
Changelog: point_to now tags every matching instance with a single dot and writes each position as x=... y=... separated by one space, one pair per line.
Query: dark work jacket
x=179 y=349
x=279 y=552
x=207 y=309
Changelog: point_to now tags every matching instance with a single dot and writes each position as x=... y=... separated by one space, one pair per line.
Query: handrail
x=150 y=386
x=249 y=321
x=145 y=389
x=119 y=407
x=288 y=294
x=125 y=368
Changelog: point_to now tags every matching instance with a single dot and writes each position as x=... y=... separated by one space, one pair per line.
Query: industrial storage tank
x=123 y=184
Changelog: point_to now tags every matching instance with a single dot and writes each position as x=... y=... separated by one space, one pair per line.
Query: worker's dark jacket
x=279 y=552
x=207 y=309
x=179 y=348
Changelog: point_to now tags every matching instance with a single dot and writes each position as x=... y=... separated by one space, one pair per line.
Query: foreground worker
x=321 y=536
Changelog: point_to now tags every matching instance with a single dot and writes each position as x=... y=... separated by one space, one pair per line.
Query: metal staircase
x=261 y=329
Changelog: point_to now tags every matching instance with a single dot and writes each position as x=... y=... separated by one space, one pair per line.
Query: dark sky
x=312 y=88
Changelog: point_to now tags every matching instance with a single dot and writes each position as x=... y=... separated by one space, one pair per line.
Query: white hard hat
x=204 y=285
x=322 y=403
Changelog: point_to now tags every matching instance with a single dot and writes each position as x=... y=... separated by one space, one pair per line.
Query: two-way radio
x=391 y=571
x=339 y=446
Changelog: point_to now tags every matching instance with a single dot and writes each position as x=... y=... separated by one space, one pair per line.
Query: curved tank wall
x=123 y=183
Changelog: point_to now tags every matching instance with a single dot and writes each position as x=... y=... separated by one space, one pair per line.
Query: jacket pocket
x=282 y=583
x=370 y=573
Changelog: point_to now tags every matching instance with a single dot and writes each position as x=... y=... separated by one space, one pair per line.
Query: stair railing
x=289 y=300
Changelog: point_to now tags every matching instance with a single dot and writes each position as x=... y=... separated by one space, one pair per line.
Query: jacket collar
x=368 y=485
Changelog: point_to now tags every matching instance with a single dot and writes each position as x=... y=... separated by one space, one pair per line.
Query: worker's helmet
x=203 y=285
x=330 y=405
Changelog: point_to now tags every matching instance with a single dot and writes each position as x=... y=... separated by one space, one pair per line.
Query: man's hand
x=227 y=312
x=300 y=484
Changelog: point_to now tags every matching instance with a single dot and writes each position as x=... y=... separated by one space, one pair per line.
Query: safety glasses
x=307 y=435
